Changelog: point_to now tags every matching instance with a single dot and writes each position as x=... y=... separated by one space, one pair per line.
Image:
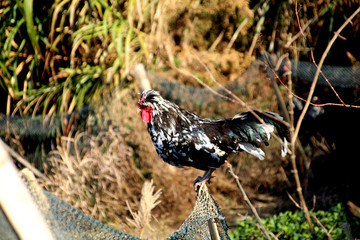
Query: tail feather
x=260 y=132
x=255 y=151
x=284 y=147
x=283 y=131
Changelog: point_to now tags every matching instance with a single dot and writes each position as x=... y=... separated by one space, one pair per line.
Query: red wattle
x=146 y=114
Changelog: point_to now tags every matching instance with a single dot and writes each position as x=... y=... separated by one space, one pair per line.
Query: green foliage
x=59 y=55
x=21 y=38
x=293 y=225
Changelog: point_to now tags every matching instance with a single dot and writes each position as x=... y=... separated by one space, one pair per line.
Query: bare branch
x=246 y=199
x=321 y=226
x=313 y=85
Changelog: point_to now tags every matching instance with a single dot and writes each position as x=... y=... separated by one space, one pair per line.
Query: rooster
x=182 y=138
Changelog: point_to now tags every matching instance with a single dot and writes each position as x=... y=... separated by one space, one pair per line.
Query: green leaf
x=30 y=27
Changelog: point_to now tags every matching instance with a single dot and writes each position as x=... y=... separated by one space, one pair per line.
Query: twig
x=321 y=226
x=217 y=41
x=290 y=41
x=293 y=157
x=246 y=199
x=312 y=215
x=183 y=71
x=236 y=34
x=293 y=200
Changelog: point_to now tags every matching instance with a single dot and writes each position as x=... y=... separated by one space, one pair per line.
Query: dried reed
x=149 y=200
x=95 y=174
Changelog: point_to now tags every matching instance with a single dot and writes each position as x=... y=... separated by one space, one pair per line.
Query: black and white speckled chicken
x=181 y=138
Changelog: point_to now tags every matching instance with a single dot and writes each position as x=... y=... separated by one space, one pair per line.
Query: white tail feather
x=257 y=152
x=284 y=147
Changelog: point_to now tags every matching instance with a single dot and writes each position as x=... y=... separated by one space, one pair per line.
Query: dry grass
x=180 y=30
x=95 y=173
x=142 y=218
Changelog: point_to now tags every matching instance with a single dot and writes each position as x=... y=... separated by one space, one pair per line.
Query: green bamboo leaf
x=87 y=32
x=3 y=83
x=107 y=22
x=5 y=71
x=106 y=6
x=117 y=32
x=30 y=27
x=9 y=39
x=82 y=94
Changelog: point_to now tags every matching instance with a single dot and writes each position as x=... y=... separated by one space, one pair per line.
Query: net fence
x=338 y=76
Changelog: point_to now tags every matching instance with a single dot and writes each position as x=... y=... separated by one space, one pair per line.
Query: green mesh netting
x=67 y=222
x=205 y=213
x=338 y=76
